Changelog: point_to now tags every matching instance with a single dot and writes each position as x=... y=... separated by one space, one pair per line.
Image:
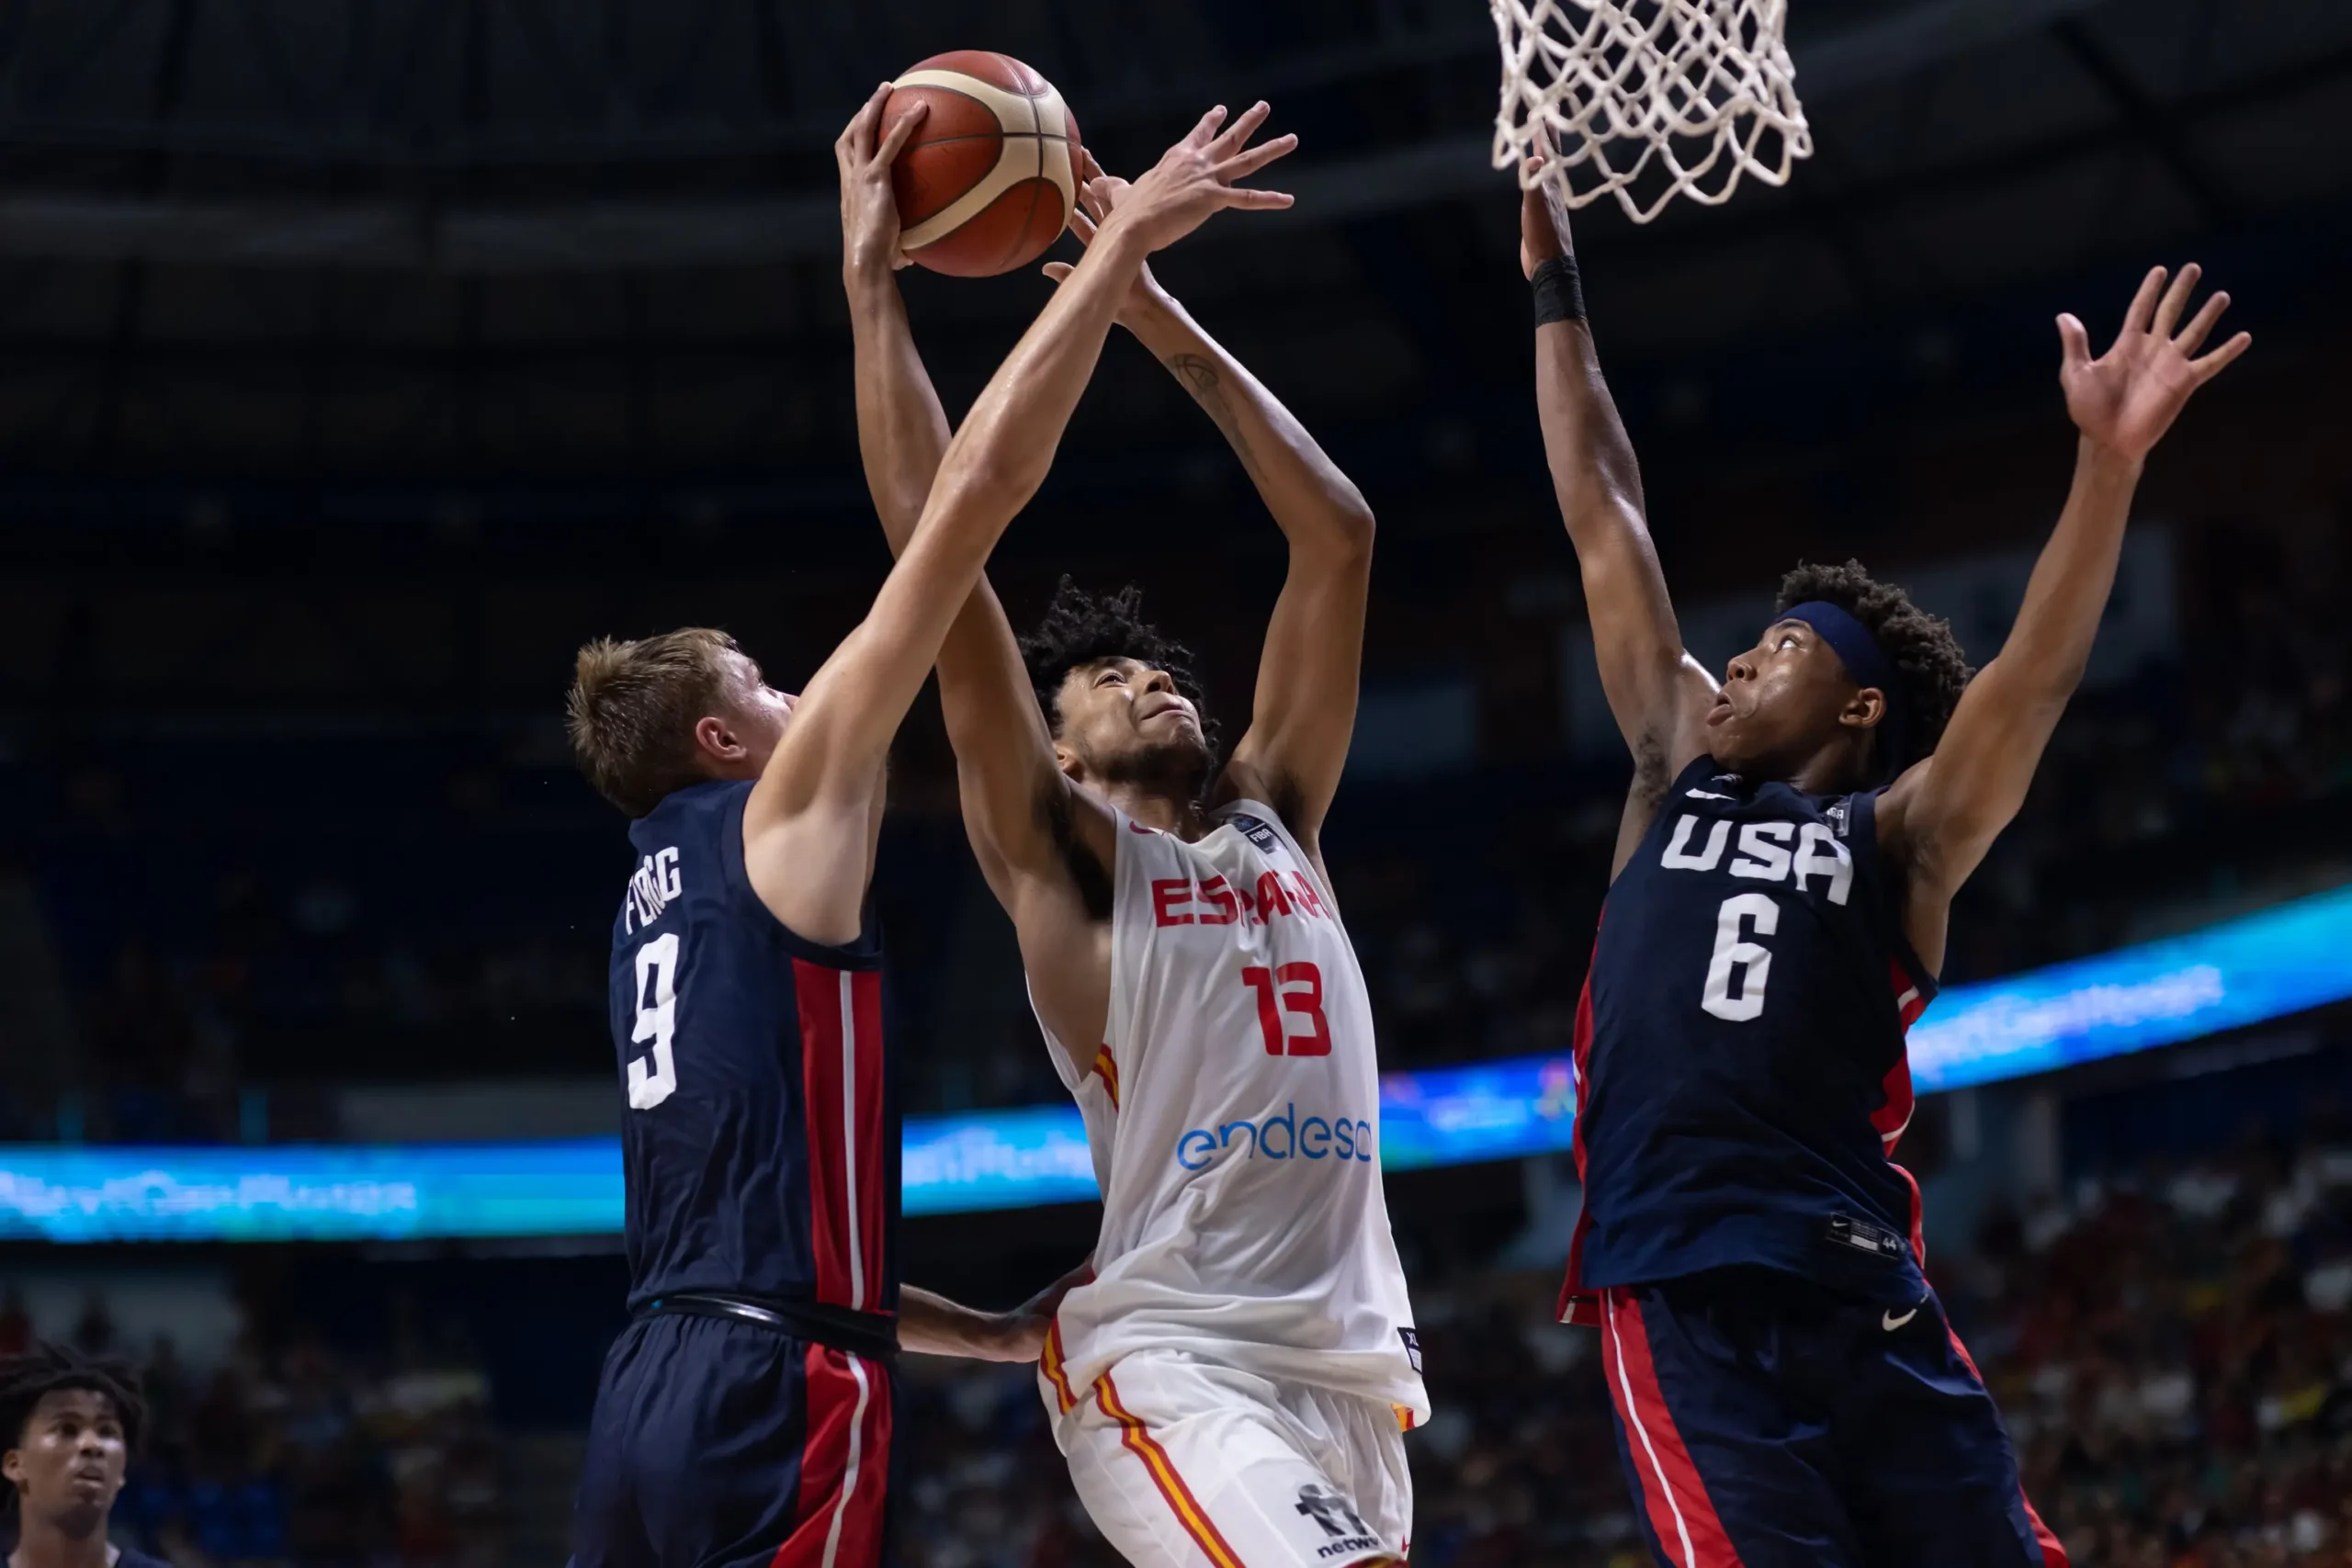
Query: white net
x=1648 y=99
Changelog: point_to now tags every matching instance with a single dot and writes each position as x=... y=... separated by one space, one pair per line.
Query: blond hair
x=632 y=710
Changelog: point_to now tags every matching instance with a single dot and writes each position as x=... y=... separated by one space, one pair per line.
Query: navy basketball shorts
x=718 y=1444
x=1765 y=1422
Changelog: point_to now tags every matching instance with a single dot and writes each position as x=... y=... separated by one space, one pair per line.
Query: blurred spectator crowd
x=289 y=1452
x=2172 y=1349
x=442 y=911
x=2173 y=1352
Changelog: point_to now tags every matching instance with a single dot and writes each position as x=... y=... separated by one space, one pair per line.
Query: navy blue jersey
x=1742 y=1079
x=760 y=1141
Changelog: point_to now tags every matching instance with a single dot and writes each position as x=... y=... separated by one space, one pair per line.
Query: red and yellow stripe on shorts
x=1145 y=1447
x=1053 y=1363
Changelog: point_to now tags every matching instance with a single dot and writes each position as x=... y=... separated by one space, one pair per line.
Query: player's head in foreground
x=653 y=715
x=1120 y=696
x=69 y=1422
x=1851 y=683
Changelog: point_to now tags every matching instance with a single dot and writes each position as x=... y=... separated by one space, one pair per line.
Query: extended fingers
x=1238 y=133
x=857 y=140
x=1242 y=165
x=2144 y=304
x=1246 y=198
x=2175 y=299
x=901 y=129
x=1202 y=133
x=2074 y=343
x=1082 y=225
x=2201 y=325
x=2213 y=363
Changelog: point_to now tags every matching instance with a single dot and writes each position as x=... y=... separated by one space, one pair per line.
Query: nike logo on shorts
x=1890 y=1322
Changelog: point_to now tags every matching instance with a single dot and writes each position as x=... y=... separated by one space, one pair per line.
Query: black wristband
x=1559 y=291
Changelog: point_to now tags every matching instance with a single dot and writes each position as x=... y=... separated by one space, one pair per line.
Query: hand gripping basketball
x=1195 y=180
x=863 y=154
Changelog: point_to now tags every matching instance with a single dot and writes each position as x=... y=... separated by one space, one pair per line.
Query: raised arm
x=1306 y=707
x=1944 y=812
x=1657 y=693
x=806 y=829
x=1014 y=796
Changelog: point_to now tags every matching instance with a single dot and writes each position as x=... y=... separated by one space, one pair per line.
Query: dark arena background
x=361 y=358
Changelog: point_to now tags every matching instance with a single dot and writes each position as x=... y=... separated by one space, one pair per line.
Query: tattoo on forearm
x=1198 y=372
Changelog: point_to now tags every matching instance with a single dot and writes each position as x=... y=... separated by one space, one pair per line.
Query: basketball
x=988 y=181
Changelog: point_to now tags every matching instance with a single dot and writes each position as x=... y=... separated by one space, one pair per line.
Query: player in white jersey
x=1233 y=1383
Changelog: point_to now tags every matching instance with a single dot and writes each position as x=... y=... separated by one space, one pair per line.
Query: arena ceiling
x=492 y=240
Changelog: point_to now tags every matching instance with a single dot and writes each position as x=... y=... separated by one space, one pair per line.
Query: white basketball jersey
x=1234 y=1117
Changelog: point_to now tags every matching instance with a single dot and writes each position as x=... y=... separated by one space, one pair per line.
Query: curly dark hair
x=1081 y=628
x=44 y=1369
x=1934 y=670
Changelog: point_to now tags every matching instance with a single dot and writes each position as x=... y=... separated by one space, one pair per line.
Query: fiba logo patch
x=1256 y=831
x=1344 y=1529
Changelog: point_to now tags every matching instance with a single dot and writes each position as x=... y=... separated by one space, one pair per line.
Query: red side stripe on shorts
x=1680 y=1513
x=1580 y=1307
x=1052 y=1363
x=841 y=1070
x=845 y=1464
x=2054 y=1551
x=1187 y=1508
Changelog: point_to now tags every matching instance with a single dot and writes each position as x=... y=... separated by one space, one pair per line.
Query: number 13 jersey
x=1741 y=1074
x=1233 y=1113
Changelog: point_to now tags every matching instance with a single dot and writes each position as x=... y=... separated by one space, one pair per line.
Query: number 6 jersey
x=1741 y=1077
x=1234 y=1117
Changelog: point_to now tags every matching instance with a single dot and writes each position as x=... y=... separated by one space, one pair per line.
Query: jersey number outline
x=653 y=1077
x=1273 y=998
x=1752 y=961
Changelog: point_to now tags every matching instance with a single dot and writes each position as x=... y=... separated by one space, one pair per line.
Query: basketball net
x=1646 y=100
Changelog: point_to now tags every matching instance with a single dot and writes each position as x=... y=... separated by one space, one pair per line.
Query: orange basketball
x=987 y=182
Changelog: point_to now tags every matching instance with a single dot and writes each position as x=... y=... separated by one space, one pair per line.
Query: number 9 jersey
x=760 y=1141
x=1741 y=1072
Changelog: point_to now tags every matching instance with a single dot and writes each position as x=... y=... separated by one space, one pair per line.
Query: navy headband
x=1864 y=661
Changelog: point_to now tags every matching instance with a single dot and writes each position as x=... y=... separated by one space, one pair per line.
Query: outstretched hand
x=1097 y=197
x=2126 y=398
x=864 y=154
x=1195 y=180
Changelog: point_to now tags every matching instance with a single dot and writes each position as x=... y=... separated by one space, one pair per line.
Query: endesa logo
x=1283 y=1136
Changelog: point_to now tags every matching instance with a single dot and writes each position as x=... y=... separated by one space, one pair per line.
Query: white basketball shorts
x=1182 y=1462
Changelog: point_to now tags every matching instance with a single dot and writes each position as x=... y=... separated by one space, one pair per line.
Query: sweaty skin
x=1039 y=805
x=924 y=479
x=1787 y=709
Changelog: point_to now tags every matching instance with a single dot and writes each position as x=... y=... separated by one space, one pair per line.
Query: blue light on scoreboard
x=2282 y=961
